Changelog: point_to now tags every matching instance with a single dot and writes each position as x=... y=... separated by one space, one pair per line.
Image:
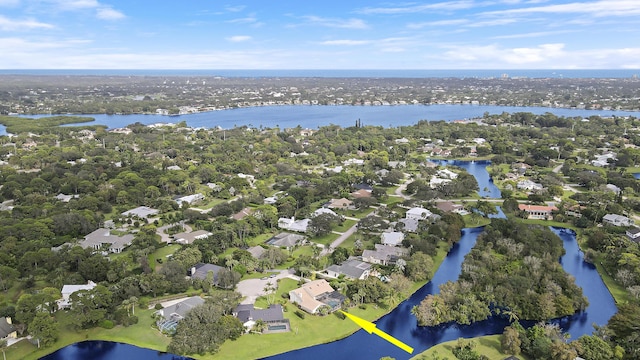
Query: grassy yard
x=619 y=293
x=162 y=254
x=485 y=345
x=311 y=330
x=346 y=225
x=325 y=239
x=141 y=334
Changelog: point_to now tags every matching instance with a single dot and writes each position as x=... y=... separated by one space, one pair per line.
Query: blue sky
x=328 y=34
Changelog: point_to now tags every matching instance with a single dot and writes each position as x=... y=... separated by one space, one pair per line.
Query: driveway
x=251 y=289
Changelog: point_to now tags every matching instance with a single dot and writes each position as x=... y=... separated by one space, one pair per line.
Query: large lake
x=402 y=325
x=344 y=115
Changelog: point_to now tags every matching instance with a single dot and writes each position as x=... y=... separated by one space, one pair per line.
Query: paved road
x=339 y=240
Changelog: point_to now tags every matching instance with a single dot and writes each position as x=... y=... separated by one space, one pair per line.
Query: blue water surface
x=308 y=116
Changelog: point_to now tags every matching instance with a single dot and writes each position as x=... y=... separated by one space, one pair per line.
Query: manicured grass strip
x=485 y=345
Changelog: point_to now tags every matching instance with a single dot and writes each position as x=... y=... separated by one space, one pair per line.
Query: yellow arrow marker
x=371 y=328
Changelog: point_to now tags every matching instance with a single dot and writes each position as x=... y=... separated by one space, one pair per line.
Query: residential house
x=384 y=254
x=351 y=269
x=361 y=194
x=190 y=237
x=410 y=225
x=448 y=206
x=66 y=198
x=141 y=212
x=363 y=186
x=67 y=290
x=353 y=161
x=616 y=220
x=633 y=233
x=436 y=181
x=341 y=203
x=171 y=315
x=418 y=213
x=256 y=251
x=285 y=240
x=604 y=159
x=189 y=199
x=613 y=188
x=292 y=224
x=201 y=271
x=397 y=164
x=315 y=294
x=242 y=213
x=529 y=185
x=520 y=168
x=575 y=211
x=393 y=238
x=102 y=238
x=540 y=212
x=7 y=330
x=447 y=174
x=273 y=317
x=324 y=211
x=270 y=200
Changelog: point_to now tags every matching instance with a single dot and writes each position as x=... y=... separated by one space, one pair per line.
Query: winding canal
x=401 y=324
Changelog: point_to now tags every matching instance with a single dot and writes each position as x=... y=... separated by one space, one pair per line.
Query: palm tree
x=3 y=346
x=260 y=326
x=400 y=265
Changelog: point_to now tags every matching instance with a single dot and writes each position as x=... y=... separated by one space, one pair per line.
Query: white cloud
x=7 y=24
x=532 y=34
x=441 y=6
x=598 y=8
x=106 y=13
x=346 y=42
x=237 y=8
x=351 y=23
x=9 y=3
x=239 y=38
x=244 y=20
x=452 y=22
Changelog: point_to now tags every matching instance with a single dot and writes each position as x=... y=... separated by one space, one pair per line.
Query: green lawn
x=346 y=225
x=619 y=293
x=162 y=253
x=311 y=330
x=325 y=239
x=141 y=334
x=485 y=345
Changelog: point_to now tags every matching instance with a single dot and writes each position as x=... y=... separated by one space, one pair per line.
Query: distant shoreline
x=339 y=73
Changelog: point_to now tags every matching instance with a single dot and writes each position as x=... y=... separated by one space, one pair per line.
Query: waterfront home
x=352 y=268
x=67 y=290
x=273 y=317
x=170 y=316
x=540 y=212
x=313 y=295
x=384 y=254
x=616 y=220
x=448 y=206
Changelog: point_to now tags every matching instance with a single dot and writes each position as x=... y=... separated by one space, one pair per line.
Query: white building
x=418 y=213
x=67 y=290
